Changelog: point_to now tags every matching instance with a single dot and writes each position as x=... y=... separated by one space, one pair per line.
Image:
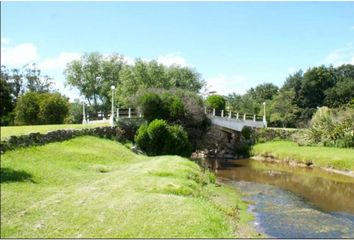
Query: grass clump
x=89 y=187
x=337 y=158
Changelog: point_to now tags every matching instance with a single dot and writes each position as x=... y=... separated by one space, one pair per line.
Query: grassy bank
x=328 y=157
x=90 y=187
x=20 y=130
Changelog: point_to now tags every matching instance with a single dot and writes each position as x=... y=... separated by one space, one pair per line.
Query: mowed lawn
x=89 y=187
x=329 y=157
x=21 y=130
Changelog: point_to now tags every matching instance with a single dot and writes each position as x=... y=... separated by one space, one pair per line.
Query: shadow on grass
x=10 y=175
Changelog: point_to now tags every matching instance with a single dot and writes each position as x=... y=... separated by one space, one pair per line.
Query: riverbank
x=338 y=160
x=89 y=187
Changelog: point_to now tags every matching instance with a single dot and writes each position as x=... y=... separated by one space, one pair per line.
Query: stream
x=293 y=202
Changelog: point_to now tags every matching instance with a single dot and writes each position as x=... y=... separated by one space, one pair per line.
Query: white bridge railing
x=236 y=121
x=119 y=113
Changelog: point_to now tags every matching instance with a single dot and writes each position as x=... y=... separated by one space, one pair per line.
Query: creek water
x=293 y=202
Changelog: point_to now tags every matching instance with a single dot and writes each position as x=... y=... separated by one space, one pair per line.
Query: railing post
x=214 y=112
x=205 y=110
x=254 y=118
x=237 y=116
x=222 y=113
x=117 y=112
x=129 y=113
x=230 y=114
x=244 y=116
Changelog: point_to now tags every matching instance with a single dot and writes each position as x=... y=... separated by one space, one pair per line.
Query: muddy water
x=293 y=202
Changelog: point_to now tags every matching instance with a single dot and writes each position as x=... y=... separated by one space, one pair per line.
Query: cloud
x=225 y=85
x=19 y=55
x=341 y=56
x=4 y=41
x=172 y=59
x=59 y=62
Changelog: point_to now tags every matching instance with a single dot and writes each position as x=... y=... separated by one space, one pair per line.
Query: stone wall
x=35 y=139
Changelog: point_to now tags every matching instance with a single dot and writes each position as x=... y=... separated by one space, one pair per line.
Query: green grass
x=337 y=158
x=90 y=187
x=21 y=130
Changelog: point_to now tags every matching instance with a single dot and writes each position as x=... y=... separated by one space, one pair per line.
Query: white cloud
x=172 y=59
x=19 y=55
x=4 y=41
x=225 y=85
x=59 y=62
x=341 y=56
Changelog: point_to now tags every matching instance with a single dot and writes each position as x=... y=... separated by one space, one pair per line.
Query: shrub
x=27 y=109
x=152 y=107
x=41 y=108
x=332 y=128
x=215 y=101
x=159 y=138
x=53 y=108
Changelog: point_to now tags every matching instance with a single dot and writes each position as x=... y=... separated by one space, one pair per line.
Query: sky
x=233 y=45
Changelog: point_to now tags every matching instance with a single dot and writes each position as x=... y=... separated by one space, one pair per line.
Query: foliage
x=129 y=127
x=53 y=108
x=27 y=109
x=176 y=106
x=216 y=102
x=75 y=112
x=159 y=138
x=152 y=107
x=41 y=108
x=93 y=76
x=6 y=100
x=283 y=111
x=332 y=128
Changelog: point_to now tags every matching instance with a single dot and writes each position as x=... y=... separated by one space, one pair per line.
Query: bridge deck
x=235 y=124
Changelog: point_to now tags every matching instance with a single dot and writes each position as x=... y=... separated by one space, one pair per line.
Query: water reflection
x=327 y=191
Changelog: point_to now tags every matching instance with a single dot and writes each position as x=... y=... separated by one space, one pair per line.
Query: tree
x=86 y=75
x=6 y=99
x=53 y=108
x=41 y=108
x=283 y=110
x=27 y=109
x=35 y=81
x=263 y=92
x=216 y=102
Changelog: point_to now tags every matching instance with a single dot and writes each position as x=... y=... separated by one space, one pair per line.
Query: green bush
x=27 y=109
x=41 y=108
x=53 y=108
x=215 y=101
x=332 y=128
x=159 y=138
x=152 y=107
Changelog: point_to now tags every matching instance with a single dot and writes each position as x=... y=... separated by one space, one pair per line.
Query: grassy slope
x=90 y=187
x=20 y=130
x=338 y=158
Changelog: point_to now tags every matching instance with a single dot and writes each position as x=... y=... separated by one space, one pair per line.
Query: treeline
x=28 y=97
x=94 y=74
x=294 y=104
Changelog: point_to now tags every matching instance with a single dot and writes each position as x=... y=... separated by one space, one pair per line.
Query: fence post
x=214 y=112
x=244 y=116
x=237 y=116
x=230 y=114
x=205 y=110
x=129 y=113
x=222 y=113
x=117 y=112
x=254 y=118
